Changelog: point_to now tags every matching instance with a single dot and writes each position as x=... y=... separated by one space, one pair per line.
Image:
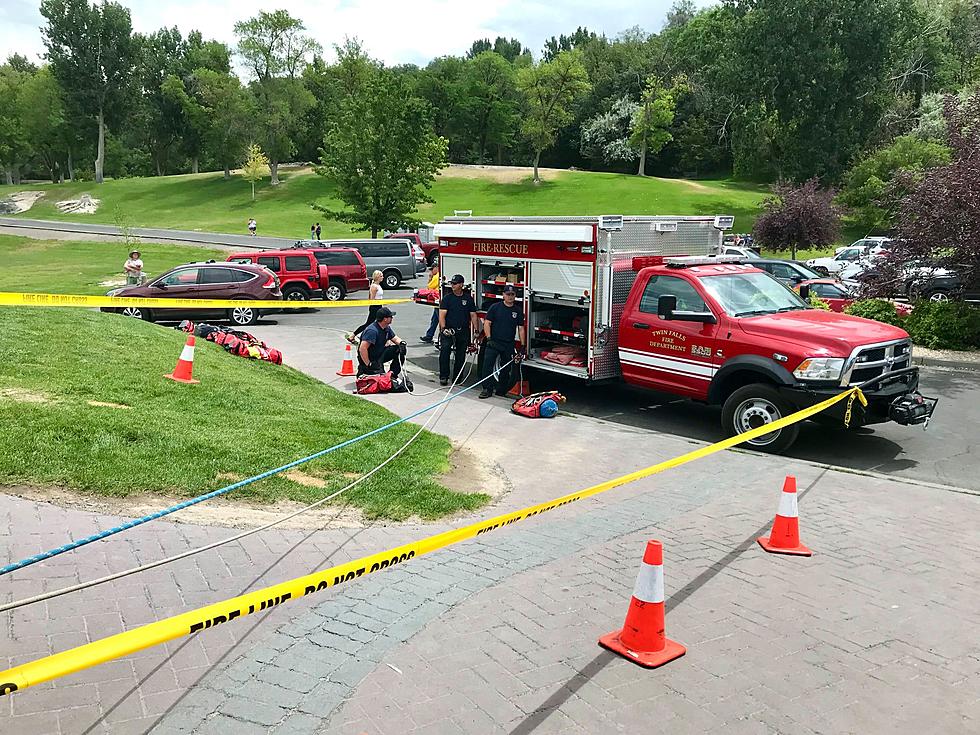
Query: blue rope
x=201 y=498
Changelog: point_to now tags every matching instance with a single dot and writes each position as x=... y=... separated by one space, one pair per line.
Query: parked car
x=427 y=252
x=945 y=284
x=839 y=261
x=209 y=280
x=740 y=251
x=392 y=256
x=874 y=245
x=309 y=273
x=790 y=272
x=839 y=296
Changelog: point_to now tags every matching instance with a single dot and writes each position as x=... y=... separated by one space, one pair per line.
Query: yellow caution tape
x=120 y=302
x=153 y=634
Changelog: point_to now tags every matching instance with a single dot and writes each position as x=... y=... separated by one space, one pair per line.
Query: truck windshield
x=752 y=294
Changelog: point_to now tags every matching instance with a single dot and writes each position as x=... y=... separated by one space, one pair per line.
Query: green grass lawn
x=245 y=417
x=62 y=266
x=208 y=202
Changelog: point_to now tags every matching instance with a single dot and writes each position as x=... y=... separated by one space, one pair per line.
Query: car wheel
x=433 y=258
x=295 y=293
x=136 y=313
x=756 y=405
x=334 y=292
x=938 y=296
x=392 y=279
x=243 y=316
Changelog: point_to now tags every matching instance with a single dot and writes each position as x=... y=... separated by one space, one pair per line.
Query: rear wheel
x=756 y=405
x=243 y=316
x=938 y=296
x=392 y=279
x=433 y=258
x=295 y=293
x=335 y=291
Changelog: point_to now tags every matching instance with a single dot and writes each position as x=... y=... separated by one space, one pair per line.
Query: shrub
x=818 y=303
x=877 y=309
x=951 y=325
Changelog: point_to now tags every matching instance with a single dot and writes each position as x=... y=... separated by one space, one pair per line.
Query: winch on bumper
x=892 y=396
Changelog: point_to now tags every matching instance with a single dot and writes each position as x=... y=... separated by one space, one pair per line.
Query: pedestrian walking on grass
x=317 y=230
x=313 y=232
x=252 y=226
x=376 y=293
x=134 y=269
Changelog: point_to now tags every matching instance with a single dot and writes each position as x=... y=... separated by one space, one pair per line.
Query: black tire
x=392 y=279
x=937 y=295
x=755 y=405
x=433 y=258
x=243 y=316
x=137 y=313
x=336 y=291
x=295 y=293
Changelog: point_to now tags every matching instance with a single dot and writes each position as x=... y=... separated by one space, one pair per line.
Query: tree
x=273 y=47
x=230 y=111
x=555 y=46
x=383 y=156
x=13 y=137
x=93 y=56
x=653 y=117
x=490 y=102
x=549 y=89
x=605 y=138
x=939 y=219
x=43 y=118
x=798 y=216
x=681 y=13
x=874 y=187
x=254 y=167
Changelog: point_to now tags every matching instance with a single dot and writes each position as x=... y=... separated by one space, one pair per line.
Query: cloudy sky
x=409 y=31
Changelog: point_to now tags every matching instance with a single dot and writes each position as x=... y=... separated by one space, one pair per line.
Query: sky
x=406 y=32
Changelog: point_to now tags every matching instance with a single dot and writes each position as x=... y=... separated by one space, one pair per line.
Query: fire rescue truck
x=645 y=300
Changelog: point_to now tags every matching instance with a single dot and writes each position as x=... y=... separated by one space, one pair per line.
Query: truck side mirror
x=666 y=305
x=805 y=292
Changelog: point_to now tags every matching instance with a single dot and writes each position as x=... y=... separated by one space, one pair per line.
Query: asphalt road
x=36 y=228
x=943 y=454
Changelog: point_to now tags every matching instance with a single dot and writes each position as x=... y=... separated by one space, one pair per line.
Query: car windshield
x=752 y=294
x=807 y=271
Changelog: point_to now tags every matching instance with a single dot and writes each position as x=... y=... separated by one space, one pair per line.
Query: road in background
x=935 y=455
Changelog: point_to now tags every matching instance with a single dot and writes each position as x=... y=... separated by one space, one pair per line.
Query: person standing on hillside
x=317 y=231
x=134 y=269
x=504 y=321
x=313 y=232
x=252 y=226
x=457 y=329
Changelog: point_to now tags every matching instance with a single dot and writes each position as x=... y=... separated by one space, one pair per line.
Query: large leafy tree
x=44 y=120
x=651 y=122
x=382 y=154
x=490 y=101
x=605 y=138
x=93 y=56
x=14 y=148
x=275 y=48
x=549 y=90
x=798 y=216
x=230 y=111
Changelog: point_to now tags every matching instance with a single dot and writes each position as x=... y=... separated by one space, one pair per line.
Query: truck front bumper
x=891 y=397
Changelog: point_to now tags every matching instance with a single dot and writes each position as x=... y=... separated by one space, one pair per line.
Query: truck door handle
x=640 y=325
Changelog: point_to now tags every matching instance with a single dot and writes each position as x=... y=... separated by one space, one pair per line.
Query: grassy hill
x=208 y=202
x=84 y=405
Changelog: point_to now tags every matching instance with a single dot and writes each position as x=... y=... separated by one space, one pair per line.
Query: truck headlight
x=820 y=368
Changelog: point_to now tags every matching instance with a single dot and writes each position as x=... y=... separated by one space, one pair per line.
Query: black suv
x=946 y=285
x=790 y=272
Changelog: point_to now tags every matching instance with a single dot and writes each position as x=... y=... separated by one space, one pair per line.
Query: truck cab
x=728 y=333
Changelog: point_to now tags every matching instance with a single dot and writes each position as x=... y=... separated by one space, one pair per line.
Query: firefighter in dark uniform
x=504 y=321
x=380 y=344
x=457 y=325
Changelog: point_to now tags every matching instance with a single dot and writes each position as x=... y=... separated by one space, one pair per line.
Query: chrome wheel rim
x=241 y=315
x=753 y=413
x=939 y=298
x=133 y=311
x=333 y=293
x=296 y=296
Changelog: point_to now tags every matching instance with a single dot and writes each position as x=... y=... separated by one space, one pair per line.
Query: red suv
x=327 y=273
x=208 y=280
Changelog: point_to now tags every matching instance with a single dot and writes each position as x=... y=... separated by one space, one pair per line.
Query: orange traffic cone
x=347 y=368
x=642 y=638
x=185 y=364
x=785 y=536
x=521 y=388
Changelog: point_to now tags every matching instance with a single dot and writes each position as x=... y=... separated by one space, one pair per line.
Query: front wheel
x=295 y=293
x=392 y=279
x=243 y=316
x=756 y=405
x=136 y=313
x=334 y=292
x=938 y=296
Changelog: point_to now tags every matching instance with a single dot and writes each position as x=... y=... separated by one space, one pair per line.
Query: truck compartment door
x=561 y=279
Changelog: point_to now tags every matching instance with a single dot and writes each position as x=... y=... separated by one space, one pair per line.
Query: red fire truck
x=643 y=299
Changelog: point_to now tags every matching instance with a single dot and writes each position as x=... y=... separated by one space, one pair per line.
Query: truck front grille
x=874 y=361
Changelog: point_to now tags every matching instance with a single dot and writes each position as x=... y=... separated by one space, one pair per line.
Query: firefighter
x=504 y=321
x=457 y=325
x=380 y=344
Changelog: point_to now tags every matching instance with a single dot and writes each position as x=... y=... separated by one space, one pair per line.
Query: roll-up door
x=561 y=279
x=453 y=264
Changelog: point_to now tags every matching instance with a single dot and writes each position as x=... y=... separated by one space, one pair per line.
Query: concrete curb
x=949 y=364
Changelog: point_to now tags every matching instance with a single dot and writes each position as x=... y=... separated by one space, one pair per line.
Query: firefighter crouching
x=457 y=325
x=503 y=321
x=380 y=344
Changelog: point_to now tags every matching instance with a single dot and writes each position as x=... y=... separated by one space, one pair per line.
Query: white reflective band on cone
x=787 y=506
x=649 y=583
x=187 y=354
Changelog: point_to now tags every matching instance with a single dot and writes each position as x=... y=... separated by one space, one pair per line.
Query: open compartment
x=493 y=275
x=559 y=330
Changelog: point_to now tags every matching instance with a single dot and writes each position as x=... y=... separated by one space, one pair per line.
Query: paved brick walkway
x=876 y=633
